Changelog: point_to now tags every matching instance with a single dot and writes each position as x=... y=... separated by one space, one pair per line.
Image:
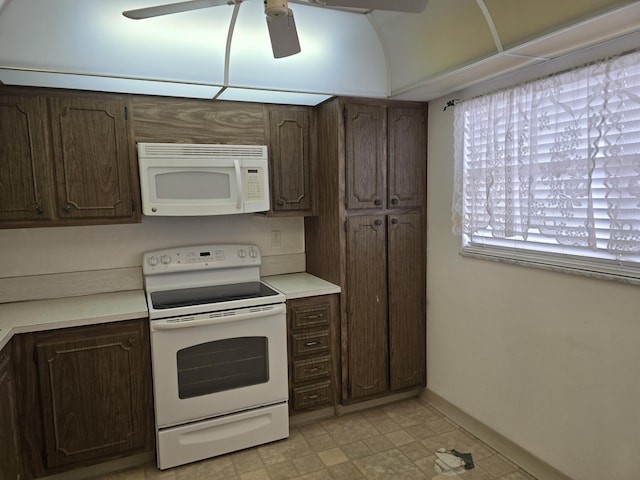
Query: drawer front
x=310 y=316
x=312 y=369
x=312 y=396
x=310 y=343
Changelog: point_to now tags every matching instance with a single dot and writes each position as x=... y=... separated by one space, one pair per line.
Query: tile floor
x=392 y=442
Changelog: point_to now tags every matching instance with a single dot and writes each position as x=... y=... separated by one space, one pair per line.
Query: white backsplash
x=37 y=251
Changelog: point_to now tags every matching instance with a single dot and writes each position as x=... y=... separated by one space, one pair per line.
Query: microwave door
x=194 y=190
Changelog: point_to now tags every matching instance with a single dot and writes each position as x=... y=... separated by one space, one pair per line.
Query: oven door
x=214 y=364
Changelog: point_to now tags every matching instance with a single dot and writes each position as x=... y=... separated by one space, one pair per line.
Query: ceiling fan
x=280 y=22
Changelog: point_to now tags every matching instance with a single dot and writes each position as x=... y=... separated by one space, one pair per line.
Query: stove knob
x=166 y=259
x=253 y=253
x=242 y=253
x=152 y=260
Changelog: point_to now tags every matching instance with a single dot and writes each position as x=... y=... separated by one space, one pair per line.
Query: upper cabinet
x=25 y=188
x=385 y=155
x=66 y=160
x=290 y=160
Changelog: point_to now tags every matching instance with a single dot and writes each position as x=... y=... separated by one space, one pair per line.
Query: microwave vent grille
x=159 y=150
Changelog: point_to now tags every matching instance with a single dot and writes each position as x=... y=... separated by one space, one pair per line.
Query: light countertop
x=299 y=285
x=37 y=315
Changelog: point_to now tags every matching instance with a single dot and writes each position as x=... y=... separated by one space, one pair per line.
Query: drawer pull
x=313 y=369
x=313 y=396
x=314 y=343
x=312 y=317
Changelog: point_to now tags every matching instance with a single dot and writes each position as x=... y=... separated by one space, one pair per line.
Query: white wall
x=35 y=251
x=548 y=360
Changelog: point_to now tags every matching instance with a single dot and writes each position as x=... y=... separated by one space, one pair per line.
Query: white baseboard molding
x=521 y=457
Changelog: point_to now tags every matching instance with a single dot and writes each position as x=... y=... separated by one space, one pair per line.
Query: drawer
x=312 y=396
x=311 y=369
x=310 y=343
x=310 y=316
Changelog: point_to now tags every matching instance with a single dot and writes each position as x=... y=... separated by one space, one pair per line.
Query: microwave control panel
x=254 y=179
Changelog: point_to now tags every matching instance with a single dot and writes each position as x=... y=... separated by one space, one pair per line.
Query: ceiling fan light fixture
x=276 y=8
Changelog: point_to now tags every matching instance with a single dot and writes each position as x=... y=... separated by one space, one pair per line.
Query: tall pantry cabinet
x=369 y=238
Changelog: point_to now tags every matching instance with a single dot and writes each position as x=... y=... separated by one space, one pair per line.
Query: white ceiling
x=452 y=44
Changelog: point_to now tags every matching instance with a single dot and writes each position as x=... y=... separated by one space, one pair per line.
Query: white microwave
x=180 y=179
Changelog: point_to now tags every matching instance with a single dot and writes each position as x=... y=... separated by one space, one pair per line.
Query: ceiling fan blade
x=283 y=33
x=167 y=9
x=409 y=6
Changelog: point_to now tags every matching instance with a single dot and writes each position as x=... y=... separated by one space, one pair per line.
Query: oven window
x=222 y=365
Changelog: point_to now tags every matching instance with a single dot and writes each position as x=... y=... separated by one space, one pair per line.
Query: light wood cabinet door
x=10 y=457
x=367 y=334
x=407 y=157
x=366 y=155
x=290 y=160
x=406 y=267
x=25 y=192
x=92 y=158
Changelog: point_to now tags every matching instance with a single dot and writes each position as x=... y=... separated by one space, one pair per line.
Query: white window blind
x=548 y=172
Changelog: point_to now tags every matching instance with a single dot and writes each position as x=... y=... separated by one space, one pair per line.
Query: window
x=548 y=172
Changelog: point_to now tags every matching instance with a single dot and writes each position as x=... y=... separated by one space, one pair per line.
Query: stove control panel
x=200 y=257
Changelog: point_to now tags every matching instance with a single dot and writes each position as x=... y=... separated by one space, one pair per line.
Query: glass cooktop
x=186 y=297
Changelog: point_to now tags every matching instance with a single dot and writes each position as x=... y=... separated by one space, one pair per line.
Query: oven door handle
x=201 y=320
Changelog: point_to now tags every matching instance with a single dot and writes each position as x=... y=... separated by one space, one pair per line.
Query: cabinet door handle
x=394 y=221
x=280 y=202
x=378 y=222
x=312 y=344
x=66 y=209
x=394 y=201
x=39 y=210
x=377 y=201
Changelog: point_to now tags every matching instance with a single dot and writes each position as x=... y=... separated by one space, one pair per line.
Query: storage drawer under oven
x=310 y=343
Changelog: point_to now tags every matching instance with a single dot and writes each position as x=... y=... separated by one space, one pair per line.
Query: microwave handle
x=240 y=193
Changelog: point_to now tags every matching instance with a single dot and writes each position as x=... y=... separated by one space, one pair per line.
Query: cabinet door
x=24 y=175
x=407 y=340
x=10 y=457
x=290 y=160
x=92 y=393
x=92 y=158
x=367 y=338
x=407 y=157
x=366 y=157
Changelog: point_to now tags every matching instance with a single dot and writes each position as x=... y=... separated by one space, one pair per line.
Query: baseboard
x=521 y=457
x=105 y=468
x=357 y=407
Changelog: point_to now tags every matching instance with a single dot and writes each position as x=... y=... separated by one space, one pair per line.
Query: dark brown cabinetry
x=311 y=323
x=10 y=458
x=66 y=159
x=84 y=395
x=290 y=160
x=385 y=156
x=369 y=238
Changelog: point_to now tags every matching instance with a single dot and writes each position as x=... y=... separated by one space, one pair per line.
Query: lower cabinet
x=311 y=326
x=84 y=395
x=10 y=458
